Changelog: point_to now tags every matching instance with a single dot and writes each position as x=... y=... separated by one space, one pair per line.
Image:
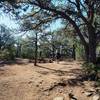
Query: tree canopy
x=77 y=13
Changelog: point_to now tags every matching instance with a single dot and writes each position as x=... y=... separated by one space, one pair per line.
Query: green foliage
x=80 y=53
x=12 y=53
x=88 y=67
x=7 y=48
x=98 y=83
x=7 y=54
x=4 y=54
x=91 y=69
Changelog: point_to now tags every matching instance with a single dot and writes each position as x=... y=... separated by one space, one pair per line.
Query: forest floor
x=48 y=81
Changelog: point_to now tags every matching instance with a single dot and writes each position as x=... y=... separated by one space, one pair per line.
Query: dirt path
x=44 y=82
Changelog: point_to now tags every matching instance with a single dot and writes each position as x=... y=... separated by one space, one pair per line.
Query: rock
x=98 y=90
x=82 y=91
x=72 y=97
x=46 y=93
x=88 y=94
x=39 y=76
x=59 y=98
x=91 y=90
x=60 y=90
x=41 y=82
x=30 y=82
x=37 y=85
x=96 y=97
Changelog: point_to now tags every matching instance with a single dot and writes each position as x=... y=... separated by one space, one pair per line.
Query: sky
x=6 y=20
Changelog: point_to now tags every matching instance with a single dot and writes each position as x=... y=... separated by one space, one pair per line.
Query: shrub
x=91 y=70
x=7 y=55
x=98 y=60
x=88 y=67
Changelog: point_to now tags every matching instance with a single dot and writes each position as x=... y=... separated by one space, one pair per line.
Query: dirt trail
x=44 y=82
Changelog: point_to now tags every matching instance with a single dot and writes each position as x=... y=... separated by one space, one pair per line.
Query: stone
x=46 y=93
x=41 y=82
x=91 y=90
x=30 y=82
x=88 y=94
x=59 y=98
x=72 y=97
x=37 y=85
x=98 y=90
x=96 y=97
x=82 y=92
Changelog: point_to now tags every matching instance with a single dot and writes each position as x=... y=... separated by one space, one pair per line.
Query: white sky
x=6 y=20
x=12 y=24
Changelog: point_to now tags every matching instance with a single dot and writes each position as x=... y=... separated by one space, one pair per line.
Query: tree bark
x=53 y=52
x=86 y=48
x=36 y=50
x=74 y=52
x=92 y=45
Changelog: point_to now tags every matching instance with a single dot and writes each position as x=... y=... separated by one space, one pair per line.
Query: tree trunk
x=36 y=49
x=86 y=48
x=90 y=48
x=74 y=52
x=53 y=52
x=92 y=45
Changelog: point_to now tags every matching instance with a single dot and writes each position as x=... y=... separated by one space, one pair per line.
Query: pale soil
x=43 y=82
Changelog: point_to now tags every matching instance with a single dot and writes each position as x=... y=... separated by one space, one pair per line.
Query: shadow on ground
x=12 y=62
x=79 y=79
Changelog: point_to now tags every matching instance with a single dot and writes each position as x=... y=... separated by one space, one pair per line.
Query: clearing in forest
x=24 y=81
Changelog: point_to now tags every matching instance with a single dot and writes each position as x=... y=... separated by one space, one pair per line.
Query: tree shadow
x=49 y=68
x=1 y=64
x=67 y=63
x=53 y=70
x=12 y=62
x=78 y=80
x=71 y=71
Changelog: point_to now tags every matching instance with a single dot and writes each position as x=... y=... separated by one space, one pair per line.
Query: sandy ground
x=24 y=81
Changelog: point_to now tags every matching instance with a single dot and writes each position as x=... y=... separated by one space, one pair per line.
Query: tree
x=7 y=41
x=36 y=48
x=56 y=41
x=35 y=25
x=77 y=13
x=85 y=13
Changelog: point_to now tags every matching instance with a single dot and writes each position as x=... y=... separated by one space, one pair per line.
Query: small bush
x=7 y=55
x=88 y=67
x=91 y=70
x=98 y=83
x=4 y=54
